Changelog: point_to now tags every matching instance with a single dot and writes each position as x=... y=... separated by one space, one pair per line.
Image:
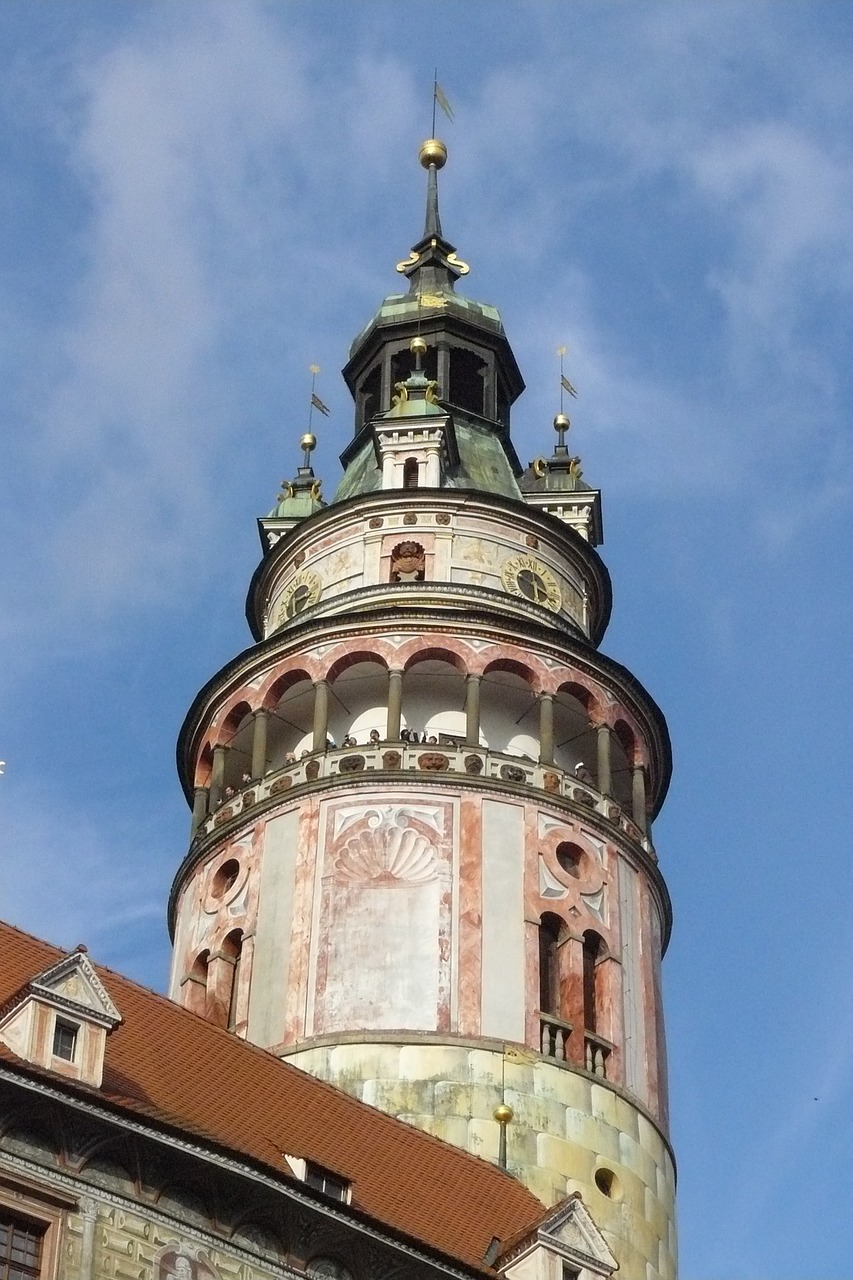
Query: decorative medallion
x=407 y=562
x=302 y=591
x=527 y=577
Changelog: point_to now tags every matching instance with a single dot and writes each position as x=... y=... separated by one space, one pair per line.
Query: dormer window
x=330 y=1184
x=60 y=1020
x=410 y=473
x=65 y=1040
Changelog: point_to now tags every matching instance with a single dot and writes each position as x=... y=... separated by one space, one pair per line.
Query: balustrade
x=554 y=1037
x=394 y=757
x=596 y=1053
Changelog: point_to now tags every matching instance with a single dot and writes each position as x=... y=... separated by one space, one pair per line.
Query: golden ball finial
x=561 y=422
x=433 y=152
x=503 y=1113
x=308 y=442
x=418 y=347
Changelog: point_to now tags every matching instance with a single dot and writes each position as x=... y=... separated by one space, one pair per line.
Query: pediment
x=570 y=1229
x=73 y=985
x=567 y=1231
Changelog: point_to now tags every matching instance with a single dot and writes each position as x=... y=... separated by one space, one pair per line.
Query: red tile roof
x=166 y=1065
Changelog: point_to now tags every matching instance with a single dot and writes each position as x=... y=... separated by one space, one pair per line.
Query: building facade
x=421 y=866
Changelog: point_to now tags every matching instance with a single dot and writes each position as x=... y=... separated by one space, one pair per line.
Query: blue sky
x=199 y=200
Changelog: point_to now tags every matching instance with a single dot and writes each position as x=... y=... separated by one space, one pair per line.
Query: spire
x=432 y=266
x=432 y=225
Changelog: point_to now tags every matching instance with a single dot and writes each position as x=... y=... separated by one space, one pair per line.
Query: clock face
x=527 y=577
x=302 y=591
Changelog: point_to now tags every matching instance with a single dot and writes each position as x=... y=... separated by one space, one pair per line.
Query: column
x=217 y=776
x=472 y=711
x=395 y=705
x=638 y=797
x=605 y=776
x=321 y=714
x=546 y=728
x=443 y=370
x=259 y=743
x=200 y=797
x=433 y=468
x=89 y=1213
x=571 y=996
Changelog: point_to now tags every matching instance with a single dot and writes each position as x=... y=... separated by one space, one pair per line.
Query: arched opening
x=468 y=373
x=550 y=931
x=411 y=472
x=509 y=718
x=403 y=366
x=575 y=744
x=368 y=395
x=434 y=702
x=232 y=950
x=204 y=766
x=622 y=750
x=593 y=952
x=291 y=720
x=225 y=878
x=571 y=858
x=240 y=724
x=358 y=703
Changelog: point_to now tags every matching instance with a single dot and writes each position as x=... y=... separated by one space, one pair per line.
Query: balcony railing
x=429 y=758
x=555 y=1034
x=596 y=1053
x=554 y=1037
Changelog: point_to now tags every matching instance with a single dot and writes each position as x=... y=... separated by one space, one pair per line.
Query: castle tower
x=421 y=863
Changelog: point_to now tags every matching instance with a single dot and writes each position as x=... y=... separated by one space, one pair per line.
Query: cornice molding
x=576 y=549
x=222 y=1158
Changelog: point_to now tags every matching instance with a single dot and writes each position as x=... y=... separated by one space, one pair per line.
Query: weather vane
x=439 y=98
x=316 y=402
x=565 y=385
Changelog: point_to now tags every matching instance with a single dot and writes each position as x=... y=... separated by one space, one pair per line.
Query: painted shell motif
x=386 y=852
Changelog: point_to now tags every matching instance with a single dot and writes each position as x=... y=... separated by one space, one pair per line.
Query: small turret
x=299 y=498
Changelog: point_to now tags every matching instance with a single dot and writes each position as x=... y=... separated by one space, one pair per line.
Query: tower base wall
x=570 y=1131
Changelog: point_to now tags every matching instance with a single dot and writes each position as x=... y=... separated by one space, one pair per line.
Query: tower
x=421 y=863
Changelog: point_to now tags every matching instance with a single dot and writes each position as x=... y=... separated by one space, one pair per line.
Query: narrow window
x=410 y=473
x=20 y=1247
x=233 y=948
x=549 y=974
x=64 y=1040
x=591 y=953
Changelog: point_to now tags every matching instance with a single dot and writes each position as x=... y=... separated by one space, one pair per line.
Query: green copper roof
x=412 y=306
x=482 y=465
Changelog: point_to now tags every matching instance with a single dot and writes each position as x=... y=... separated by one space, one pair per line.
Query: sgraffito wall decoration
x=381 y=945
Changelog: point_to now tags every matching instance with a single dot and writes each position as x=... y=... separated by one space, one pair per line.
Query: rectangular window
x=64 y=1040
x=570 y=1272
x=20 y=1247
x=329 y=1183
